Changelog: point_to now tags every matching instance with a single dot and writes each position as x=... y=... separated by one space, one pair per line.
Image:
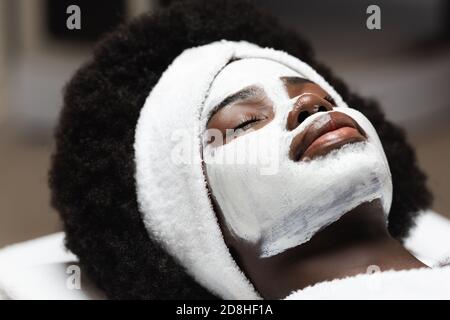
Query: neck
x=348 y=258
x=357 y=243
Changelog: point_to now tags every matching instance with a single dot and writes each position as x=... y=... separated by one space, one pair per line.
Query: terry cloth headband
x=172 y=196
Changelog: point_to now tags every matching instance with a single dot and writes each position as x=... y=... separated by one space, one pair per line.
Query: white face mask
x=270 y=200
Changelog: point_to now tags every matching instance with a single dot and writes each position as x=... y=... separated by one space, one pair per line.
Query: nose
x=305 y=106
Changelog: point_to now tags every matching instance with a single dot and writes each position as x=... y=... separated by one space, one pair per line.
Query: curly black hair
x=92 y=174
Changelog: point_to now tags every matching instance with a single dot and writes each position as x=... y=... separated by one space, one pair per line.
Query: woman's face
x=282 y=160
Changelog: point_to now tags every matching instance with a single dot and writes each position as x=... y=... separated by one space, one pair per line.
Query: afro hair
x=92 y=174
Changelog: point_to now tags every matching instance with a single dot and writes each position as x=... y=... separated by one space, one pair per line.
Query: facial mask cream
x=269 y=199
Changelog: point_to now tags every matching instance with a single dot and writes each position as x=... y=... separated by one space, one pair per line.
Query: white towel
x=416 y=284
x=36 y=269
x=41 y=269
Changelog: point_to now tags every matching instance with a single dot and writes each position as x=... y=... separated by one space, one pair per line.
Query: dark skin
x=348 y=247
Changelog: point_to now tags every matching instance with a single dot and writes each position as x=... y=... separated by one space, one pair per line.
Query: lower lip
x=331 y=141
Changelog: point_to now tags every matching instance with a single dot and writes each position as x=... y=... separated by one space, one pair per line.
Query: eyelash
x=245 y=122
x=330 y=100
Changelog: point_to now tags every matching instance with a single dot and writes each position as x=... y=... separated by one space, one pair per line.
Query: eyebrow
x=244 y=94
x=254 y=91
x=295 y=80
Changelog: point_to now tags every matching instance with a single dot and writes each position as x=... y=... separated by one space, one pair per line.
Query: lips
x=328 y=132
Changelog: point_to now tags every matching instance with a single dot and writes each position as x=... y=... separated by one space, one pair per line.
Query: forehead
x=243 y=73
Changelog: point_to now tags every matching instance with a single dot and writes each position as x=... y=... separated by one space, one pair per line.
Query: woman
x=154 y=208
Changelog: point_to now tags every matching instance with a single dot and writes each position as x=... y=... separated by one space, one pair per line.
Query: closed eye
x=241 y=113
x=246 y=123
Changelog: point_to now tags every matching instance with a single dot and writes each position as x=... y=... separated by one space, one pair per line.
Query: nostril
x=322 y=109
x=302 y=116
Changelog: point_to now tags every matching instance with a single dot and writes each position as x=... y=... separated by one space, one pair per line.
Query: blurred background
x=405 y=65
